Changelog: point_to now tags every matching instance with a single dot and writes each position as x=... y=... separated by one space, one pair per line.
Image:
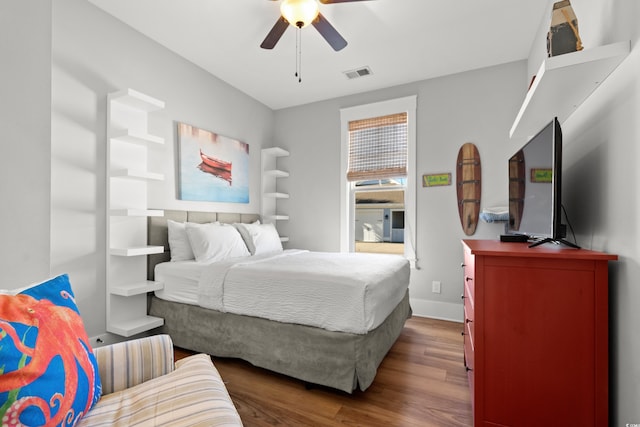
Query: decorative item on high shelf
x=563 y=36
x=469 y=188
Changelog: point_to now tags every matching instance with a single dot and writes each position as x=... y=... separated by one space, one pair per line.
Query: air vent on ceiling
x=360 y=72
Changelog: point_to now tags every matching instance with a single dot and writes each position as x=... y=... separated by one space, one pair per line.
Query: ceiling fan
x=300 y=13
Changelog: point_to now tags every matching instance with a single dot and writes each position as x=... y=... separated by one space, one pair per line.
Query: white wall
x=601 y=188
x=477 y=106
x=94 y=54
x=25 y=135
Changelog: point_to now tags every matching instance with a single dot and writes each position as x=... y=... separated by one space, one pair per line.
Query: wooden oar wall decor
x=469 y=187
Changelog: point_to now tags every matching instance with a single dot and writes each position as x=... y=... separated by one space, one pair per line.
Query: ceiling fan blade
x=274 y=35
x=339 y=1
x=329 y=33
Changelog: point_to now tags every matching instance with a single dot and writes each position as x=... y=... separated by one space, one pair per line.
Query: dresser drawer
x=469 y=353
x=469 y=270
x=468 y=319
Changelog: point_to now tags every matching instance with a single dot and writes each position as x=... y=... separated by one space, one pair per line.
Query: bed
x=326 y=353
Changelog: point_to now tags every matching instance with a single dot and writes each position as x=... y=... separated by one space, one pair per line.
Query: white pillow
x=215 y=241
x=179 y=242
x=246 y=235
x=264 y=238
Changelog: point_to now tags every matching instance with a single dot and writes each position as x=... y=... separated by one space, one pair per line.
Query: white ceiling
x=401 y=41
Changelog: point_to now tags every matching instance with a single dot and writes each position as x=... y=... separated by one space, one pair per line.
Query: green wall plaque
x=436 y=179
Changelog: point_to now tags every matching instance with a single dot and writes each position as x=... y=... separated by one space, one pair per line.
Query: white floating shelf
x=127 y=328
x=277 y=173
x=136 y=212
x=135 y=137
x=276 y=195
x=137 y=174
x=136 y=288
x=278 y=217
x=137 y=100
x=137 y=250
x=562 y=83
x=276 y=151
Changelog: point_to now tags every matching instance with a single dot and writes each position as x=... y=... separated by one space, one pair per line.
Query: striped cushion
x=130 y=363
x=192 y=395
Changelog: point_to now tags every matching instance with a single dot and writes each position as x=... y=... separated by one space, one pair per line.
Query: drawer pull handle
x=462 y=333
x=463 y=265
x=468 y=321
x=467 y=368
x=462 y=296
x=468 y=278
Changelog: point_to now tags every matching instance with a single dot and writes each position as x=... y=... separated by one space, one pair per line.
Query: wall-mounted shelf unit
x=136 y=250
x=137 y=174
x=134 y=137
x=137 y=212
x=276 y=195
x=137 y=288
x=270 y=194
x=564 y=82
x=128 y=142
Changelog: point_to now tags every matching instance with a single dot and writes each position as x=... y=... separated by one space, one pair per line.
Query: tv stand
x=536 y=345
x=556 y=241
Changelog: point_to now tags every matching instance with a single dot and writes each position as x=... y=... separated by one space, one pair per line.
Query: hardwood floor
x=422 y=382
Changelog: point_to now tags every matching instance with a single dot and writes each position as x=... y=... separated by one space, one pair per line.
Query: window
x=378 y=148
x=378 y=180
x=377 y=167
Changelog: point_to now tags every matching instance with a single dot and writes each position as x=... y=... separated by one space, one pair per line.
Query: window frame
x=347 y=194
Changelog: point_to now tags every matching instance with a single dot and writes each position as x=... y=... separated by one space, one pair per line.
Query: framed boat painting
x=212 y=167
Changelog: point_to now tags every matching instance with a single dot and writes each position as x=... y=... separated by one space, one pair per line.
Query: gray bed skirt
x=339 y=360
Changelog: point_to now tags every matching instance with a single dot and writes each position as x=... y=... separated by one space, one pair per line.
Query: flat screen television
x=535 y=187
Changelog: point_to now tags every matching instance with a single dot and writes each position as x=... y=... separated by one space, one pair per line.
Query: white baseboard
x=437 y=309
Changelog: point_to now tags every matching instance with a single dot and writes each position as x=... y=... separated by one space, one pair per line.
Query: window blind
x=378 y=147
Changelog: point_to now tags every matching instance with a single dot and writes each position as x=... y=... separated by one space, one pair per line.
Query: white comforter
x=349 y=292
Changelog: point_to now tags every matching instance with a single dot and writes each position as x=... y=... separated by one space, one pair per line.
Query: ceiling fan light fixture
x=299 y=13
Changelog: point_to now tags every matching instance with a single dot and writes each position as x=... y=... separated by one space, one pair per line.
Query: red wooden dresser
x=536 y=334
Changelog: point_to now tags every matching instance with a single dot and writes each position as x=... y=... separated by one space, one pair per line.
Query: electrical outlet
x=435 y=287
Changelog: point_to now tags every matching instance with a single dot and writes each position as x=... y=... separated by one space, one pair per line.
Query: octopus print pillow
x=48 y=373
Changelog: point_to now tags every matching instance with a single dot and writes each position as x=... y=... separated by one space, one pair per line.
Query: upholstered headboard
x=157 y=233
